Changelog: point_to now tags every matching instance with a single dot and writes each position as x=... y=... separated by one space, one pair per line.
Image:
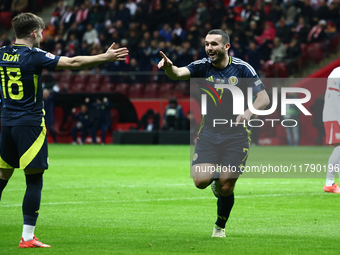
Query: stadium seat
x=165 y=90
x=151 y=90
x=182 y=89
x=80 y=78
x=77 y=87
x=281 y=70
x=65 y=80
x=136 y=90
x=122 y=88
x=93 y=83
x=106 y=87
x=315 y=52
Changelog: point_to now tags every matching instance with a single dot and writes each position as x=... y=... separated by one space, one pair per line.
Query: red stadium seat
x=93 y=83
x=136 y=90
x=182 y=89
x=81 y=78
x=106 y=87
x=77 y=87
x=122 y=88
x=165 y=90
x=315 y=52
x=151 y=90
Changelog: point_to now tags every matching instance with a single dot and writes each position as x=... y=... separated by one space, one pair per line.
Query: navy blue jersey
x=237 y=73
x=20 y=70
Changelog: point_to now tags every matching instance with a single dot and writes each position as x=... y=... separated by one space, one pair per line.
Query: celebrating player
x=331 y=119
x=23 y=131
x=224 y=145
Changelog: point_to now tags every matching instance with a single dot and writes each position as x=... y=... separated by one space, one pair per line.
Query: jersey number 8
x=12 y=81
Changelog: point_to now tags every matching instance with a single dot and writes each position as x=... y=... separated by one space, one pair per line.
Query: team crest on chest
x=233 y=80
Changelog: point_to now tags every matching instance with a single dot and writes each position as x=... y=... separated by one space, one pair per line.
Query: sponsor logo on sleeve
x=50 y=55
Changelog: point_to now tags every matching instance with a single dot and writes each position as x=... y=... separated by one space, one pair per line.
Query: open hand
x=117 y=54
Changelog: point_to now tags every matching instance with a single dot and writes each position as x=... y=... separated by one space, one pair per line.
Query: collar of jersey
x=14 y=44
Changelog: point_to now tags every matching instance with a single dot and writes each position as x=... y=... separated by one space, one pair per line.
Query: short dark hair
x=224 y=34
x=24 y=24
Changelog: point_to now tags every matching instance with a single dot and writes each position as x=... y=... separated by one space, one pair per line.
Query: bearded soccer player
x=23 y=131
x=331 y=119
x=227 y=145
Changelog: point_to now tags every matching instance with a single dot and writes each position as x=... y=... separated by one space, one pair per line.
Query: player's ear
x=34 y=33
x=227 y=46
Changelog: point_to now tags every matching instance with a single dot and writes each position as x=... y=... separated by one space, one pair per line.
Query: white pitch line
x=166 y=199
x=160 y=185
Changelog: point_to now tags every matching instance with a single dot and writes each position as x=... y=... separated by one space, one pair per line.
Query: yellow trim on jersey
x=211 y=78
x=4 y=165
x=30 y=154
x=36 y=80
x=201 y=126
x=230 y=59
x=15 y=44
x=248 y=133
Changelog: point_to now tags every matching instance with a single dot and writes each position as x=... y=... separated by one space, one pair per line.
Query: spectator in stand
x=132 y=6
x=70 y=51
x=18 y=6
x=247 y=13
x=330 y=30
x=283 y=31
x=254 y=56
x=333 y=14
x=49 y=109
x=290 y=13
x=91 y=35
x=252 y=31
x=307 y=11
x=218 y=12
x=301 y=30
x=82 y=17
x=275 y=14
x=317 y=32
x=111 y=12
x=83 y=124
x=133 y=43
x=265 y=50
x=237 y=49
x=100 y=112
x=178 y=34
x=84 y=49
x=5 y=5
x=4 y=40
x=73 y=40
x=267 y=34
x=68 y=17
x=123 y=14
x=149 y=121
x=154 y=53
x=166 y=32
x=184 y=54
x=293 y=53
x=279 y=51
x=322 y=12
x=96 y=19
x=202 y=13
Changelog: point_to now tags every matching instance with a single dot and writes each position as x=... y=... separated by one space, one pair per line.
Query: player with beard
x=225 y=145
x=23 y=131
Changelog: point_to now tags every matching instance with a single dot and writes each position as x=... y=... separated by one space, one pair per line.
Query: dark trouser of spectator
x=103 y=126
x=74 y=132
x=51 y=131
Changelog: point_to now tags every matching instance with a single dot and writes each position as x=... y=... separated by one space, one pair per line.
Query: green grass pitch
x=141 y=200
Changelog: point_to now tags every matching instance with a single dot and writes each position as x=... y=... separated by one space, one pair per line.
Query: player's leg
x=8 y=157
x=5 y=175
x=32 y=149
x=235 y=156
x=204 y=163
x=333 y=167
x=203 y=174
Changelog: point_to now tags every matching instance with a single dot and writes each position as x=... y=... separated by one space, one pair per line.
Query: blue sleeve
x=45 y=60
x=197 y=68
x=253 y=79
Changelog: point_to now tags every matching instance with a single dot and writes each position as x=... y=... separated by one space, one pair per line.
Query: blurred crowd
x=260 y=31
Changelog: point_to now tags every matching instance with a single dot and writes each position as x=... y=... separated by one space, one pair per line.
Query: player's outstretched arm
x=80 y=62
x=260 y=103
x=174 y=72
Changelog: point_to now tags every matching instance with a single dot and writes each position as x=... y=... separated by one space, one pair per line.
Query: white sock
x=28 y=232
x=332 y=161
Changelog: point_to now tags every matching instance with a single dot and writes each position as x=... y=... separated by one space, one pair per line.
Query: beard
x=218 y=57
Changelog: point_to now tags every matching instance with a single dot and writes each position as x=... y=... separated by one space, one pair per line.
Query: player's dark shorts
x=23 y=147
x=225 y=150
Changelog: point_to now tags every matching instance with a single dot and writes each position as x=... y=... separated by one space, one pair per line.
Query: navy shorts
x=228 y=151
x=23 y=147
